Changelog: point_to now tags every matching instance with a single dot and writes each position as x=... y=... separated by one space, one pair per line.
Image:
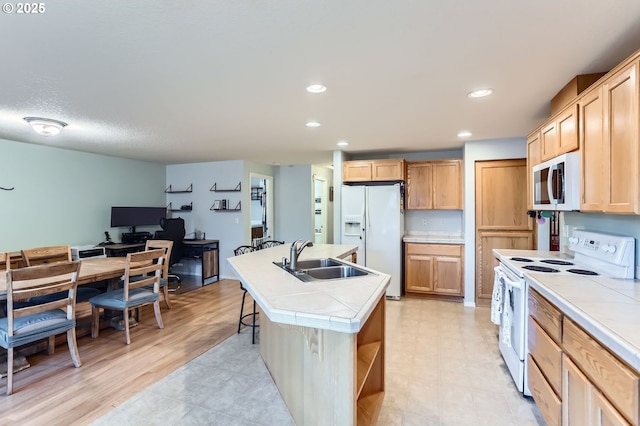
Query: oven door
x=512 y=336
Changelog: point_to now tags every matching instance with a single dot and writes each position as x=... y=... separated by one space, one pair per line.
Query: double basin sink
x=322 y=269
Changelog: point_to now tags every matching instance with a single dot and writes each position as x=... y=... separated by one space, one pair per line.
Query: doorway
x=320 y=197
x=261 y=212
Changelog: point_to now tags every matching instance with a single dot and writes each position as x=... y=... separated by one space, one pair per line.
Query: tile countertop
x=433 y=238
x=609 y=309
x=340 y=305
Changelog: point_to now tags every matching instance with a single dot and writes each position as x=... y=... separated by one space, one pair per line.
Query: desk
x=205 y=252
x=91 y=270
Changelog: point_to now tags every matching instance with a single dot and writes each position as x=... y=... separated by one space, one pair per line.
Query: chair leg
x=253 y=338
x=95 y=321
x=9 y=371
x=156 y=310
x=73 y=347
x=244 y=294
x=165 y=291
x=125 y=316
x=51 y=345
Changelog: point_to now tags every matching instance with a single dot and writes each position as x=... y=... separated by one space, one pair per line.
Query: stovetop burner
x=556 y=262
x=582 y=272
x=537 y=268
x=521 y=259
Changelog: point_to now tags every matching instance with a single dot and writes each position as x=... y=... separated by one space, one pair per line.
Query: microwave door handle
x=550 y=188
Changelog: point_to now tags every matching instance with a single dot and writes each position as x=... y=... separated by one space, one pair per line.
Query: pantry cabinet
x=433 y=269
x=434 y=185
x=373 y=170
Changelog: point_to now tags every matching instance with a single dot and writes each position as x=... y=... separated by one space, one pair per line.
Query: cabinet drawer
x=547 y=354
x=615 y=380
x=546 y=315
x=434 y=249
x=548 y=403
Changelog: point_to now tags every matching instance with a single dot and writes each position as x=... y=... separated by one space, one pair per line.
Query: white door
x=353 y=219
x=384 y=230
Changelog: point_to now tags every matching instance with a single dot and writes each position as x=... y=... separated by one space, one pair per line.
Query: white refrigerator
x=373 y=219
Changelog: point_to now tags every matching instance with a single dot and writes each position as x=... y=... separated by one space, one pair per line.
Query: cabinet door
x=533 y=159
x=356 y=171
x=603 y=413
x=419 y=186
x=621 y=141
x=448 y=276
x=576 y=394
x=387 y=170
x=447 y=185
x=567 y=128
x=592 y=151
x=548 y=141
x=418 y=273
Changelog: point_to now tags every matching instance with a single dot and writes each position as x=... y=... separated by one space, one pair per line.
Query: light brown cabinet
x=373 y=170
x=592 y=150
x=434 y=185
x=434 y=269
x=560 y=135
x=533 y=159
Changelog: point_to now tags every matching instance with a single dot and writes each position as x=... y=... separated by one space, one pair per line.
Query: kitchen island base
x=324 y=376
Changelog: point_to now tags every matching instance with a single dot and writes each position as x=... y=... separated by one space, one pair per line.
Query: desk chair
x=142 y=269
x=28 y=324
x=240 y=251
x=49 y=255
x=173 y=230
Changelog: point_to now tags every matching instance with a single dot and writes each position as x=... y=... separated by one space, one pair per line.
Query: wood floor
x=52 y=391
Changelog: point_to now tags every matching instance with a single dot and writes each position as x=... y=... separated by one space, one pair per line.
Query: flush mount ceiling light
x=480 y=93
x=464 y=134
x=316 y=88
x=45 y=126
x=343 y=143
x=312 y=124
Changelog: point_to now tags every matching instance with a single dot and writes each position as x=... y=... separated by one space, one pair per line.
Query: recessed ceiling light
x=312 y=124
x=316 y=88
x=343 y=143
x=464 y=134
x=480 y=93
x=45 y=126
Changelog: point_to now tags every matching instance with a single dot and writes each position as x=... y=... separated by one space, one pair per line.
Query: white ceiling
x=191 y=81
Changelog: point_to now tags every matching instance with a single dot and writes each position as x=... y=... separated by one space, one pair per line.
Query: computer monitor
x=137 y=216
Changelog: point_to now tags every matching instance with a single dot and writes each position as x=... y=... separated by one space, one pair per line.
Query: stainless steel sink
x=309 y=270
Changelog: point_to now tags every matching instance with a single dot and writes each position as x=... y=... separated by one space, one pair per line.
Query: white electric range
x=595 y=254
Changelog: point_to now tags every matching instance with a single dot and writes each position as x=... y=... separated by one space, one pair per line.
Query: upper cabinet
x=373 y=170
x=560 y=135
x=434 y=185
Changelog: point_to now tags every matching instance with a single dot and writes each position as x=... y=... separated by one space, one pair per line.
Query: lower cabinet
x=433 y=269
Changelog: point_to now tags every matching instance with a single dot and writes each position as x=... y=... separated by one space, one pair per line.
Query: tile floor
x=443 y=368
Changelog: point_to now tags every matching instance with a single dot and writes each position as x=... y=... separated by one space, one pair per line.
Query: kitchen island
x=322 y=341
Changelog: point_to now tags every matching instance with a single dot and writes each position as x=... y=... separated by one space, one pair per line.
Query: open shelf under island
x=323 y=342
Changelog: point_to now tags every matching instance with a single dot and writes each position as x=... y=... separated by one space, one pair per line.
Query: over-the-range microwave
x=556 y=183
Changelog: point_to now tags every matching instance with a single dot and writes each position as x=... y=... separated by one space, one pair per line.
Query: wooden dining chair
x=142 y=269
x=5 y=261
x=167 y=246
x=27 y=324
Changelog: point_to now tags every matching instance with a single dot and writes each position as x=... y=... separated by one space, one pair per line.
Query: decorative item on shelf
x=183 y=208
x=170 y=190
x=215 y=188
x=216 y=205
x=223 y=206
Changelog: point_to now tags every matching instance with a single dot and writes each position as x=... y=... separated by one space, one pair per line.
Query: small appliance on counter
x=596 y=254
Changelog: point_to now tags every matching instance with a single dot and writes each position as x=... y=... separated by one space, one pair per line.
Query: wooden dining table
x=91 y=271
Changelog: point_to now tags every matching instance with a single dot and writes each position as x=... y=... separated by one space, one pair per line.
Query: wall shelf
x=238 y=188
x=171 y=209
x=169 y=190
x=237 y=208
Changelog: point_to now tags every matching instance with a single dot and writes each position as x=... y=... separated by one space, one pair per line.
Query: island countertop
x=341 y=305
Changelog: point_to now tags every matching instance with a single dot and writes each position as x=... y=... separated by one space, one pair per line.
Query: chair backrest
x=5 y=263
x=43 y=255
x=244 y=249
x=173 y=230
x=167 y=246
x=147 y=266
x=270 y=243
x=25 y=283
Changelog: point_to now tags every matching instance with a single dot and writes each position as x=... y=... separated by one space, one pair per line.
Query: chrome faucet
x=295 y=251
